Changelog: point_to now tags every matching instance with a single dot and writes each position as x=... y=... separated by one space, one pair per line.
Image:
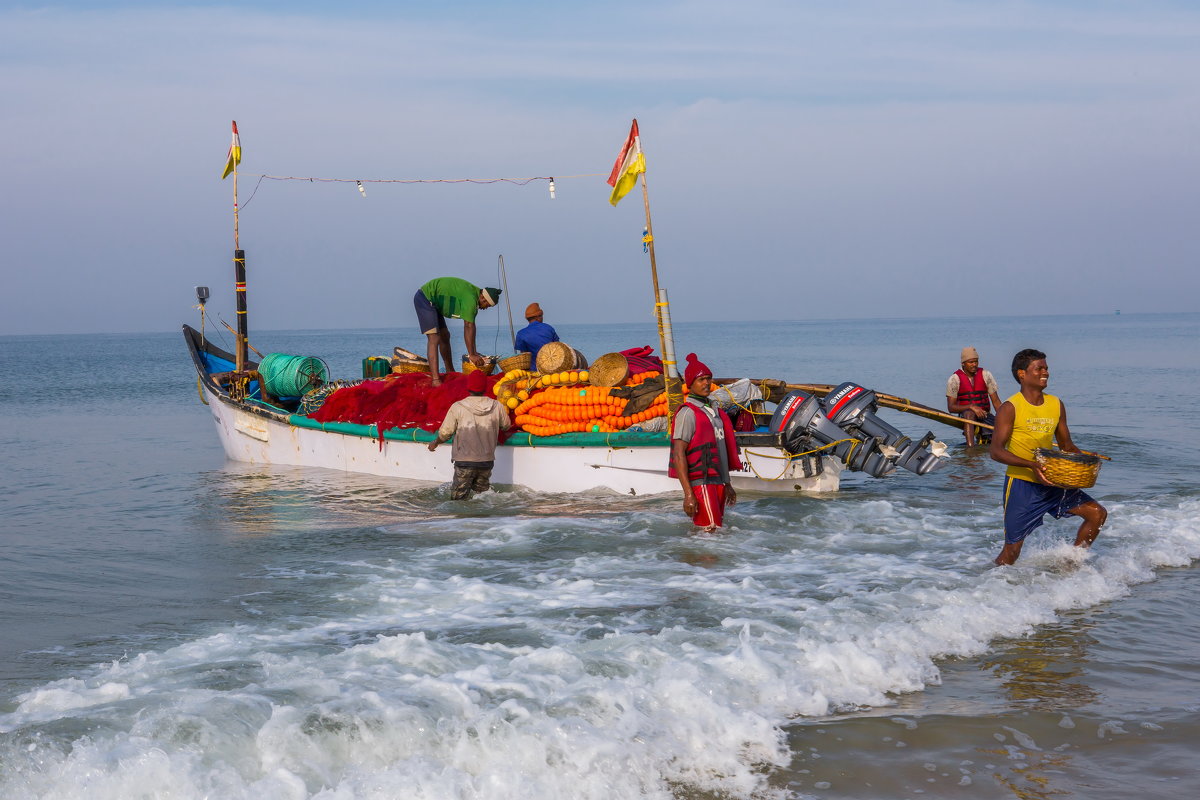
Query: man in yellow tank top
x=1026 y=421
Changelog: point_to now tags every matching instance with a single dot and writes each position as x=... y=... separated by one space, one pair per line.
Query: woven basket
x=489 y=364
x=401 y=366
x=610 y=369
x=404 y=361
x=559 y=356
x=519 y=361
x=406 y=355
x=1072 y=470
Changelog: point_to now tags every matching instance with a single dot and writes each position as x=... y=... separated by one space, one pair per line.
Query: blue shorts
x=1026 y=503
x=428 y=317
x=981 y=434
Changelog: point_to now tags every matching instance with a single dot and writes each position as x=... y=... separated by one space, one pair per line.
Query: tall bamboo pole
x=650 y=239
x=670 y=371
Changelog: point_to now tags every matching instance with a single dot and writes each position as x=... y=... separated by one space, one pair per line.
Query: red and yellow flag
x=628 y=165
x=235 y=154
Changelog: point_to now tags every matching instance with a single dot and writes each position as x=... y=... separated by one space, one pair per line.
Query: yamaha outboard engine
x=852 y=408
x=846 y=420
x=802 y=427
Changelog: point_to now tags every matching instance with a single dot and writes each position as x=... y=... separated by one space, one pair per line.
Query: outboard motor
x=802 y=426
x=852 y=408
x=864 y=442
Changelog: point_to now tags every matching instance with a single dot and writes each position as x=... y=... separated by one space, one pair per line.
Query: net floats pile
x=564 y=402
x=517 y=385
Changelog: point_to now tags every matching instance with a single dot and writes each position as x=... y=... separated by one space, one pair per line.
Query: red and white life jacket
x=972 y=391
x=703 y=459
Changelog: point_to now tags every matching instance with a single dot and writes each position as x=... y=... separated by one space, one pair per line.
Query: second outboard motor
x=853 y=408
x=803 y=427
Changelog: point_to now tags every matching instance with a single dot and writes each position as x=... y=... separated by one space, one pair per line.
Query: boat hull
x=252 y=433
x=255 y=438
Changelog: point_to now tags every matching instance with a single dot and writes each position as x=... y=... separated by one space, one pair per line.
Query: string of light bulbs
x=363 y=191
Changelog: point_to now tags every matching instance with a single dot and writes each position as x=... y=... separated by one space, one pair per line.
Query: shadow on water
x=1046 y=670
x=249 y=500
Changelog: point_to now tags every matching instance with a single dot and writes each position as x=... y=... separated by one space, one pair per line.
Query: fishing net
x=400 y=401
x=406 y=400
x=313 y=400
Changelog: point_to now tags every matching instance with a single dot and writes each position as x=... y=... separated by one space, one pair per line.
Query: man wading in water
x=475 y=422
x=969 y=392
x=1026 y=421
x=703 y=450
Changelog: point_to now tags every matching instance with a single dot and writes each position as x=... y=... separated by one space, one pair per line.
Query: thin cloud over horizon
x=870 y=159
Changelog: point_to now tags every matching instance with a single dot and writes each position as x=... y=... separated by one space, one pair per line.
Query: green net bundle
x=292 y=376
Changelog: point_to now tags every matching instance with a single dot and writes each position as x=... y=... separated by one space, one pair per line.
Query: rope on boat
x=291 y=376
x=790 y=457
x=200 y=390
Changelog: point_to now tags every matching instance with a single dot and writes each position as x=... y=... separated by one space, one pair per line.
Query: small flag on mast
x=628 y=165
x=235 y=154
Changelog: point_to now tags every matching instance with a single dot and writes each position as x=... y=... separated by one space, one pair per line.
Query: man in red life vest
x=703 y=451
x=968 y=393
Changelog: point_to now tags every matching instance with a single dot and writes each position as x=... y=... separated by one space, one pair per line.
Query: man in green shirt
x=450 y=297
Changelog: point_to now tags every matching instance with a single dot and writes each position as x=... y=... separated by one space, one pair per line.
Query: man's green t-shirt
x=454 y=297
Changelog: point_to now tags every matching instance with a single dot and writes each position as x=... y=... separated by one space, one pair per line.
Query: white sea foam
x=471 y=669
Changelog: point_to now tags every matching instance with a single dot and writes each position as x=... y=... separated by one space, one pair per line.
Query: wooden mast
x=239 y=257
x=671 y=382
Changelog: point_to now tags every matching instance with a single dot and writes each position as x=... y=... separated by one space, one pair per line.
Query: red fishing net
x=398 y=401
x=407 y=400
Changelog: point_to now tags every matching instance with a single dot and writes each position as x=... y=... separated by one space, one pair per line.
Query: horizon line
x=651 y=323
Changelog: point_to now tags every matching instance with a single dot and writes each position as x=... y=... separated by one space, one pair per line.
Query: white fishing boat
x=631 y=463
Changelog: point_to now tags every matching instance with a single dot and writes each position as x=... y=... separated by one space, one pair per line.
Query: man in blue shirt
x=537 y=333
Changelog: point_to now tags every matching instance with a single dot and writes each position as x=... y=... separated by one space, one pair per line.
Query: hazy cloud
x=806 y=159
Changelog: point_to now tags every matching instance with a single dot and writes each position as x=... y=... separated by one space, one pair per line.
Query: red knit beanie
x=695 y=368
x=476 y=381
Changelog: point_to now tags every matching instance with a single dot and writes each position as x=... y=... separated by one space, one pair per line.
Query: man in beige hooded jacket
x=475 y=423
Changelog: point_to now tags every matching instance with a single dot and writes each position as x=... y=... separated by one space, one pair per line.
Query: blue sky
x=806 y=160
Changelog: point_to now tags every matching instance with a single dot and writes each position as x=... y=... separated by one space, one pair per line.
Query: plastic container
x=376 y=367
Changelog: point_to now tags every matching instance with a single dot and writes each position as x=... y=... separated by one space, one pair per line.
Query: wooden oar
x=908 y=406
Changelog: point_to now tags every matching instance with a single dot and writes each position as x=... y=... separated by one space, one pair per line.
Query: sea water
x=175 y=625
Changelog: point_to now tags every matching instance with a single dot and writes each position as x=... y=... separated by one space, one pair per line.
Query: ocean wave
x=572 y=655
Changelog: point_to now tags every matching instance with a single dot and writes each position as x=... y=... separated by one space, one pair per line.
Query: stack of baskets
x=1072 y=470
x=610 y=369
x=559 y=356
